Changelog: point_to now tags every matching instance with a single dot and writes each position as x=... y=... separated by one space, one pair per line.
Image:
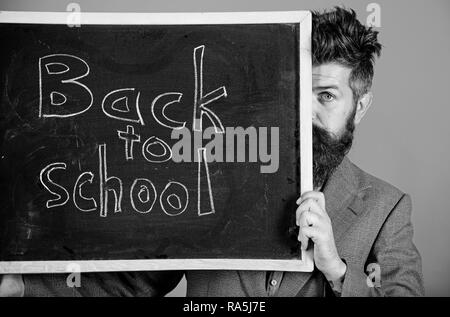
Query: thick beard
x=329 y=151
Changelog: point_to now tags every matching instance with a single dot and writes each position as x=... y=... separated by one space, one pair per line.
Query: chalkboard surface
x=105 y=152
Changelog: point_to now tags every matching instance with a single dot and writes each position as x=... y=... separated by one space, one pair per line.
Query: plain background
x=404 y=138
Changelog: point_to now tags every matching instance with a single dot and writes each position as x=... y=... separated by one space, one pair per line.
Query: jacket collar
x=343 y=198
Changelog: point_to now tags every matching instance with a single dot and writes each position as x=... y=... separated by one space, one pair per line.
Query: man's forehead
x=331 y=74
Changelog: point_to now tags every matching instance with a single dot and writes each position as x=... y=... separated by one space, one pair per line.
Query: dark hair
x=338 y=36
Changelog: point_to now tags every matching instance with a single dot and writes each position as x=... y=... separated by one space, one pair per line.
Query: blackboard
x=107 y=129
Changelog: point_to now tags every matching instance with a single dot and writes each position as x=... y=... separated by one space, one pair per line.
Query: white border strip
x=305 y=120
x=306 y=155
x=301 y=17
x=153 y=18
x=33 y=267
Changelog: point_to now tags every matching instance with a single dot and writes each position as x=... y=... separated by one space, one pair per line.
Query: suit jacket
x=373 y=233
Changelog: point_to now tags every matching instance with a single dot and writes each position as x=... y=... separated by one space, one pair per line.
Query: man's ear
x=362 y=106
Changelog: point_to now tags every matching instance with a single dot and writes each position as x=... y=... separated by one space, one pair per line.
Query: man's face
x=332 y=103
x=334 y=111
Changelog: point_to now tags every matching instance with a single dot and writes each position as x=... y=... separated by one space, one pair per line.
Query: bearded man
x=360 y=226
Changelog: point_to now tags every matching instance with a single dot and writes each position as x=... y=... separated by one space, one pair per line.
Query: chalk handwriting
x=159 y=105
x=155 y=157
x=78 y=197
x=201 y=100
x=108 y=184
x=60 y=80
x=123 y=97
x=62 y=196
x=146 y=195
x=129 y=137
x=174 y=191
x=66 y=84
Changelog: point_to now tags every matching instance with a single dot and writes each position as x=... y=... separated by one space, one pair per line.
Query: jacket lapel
x=344 y=205
x=343 y=199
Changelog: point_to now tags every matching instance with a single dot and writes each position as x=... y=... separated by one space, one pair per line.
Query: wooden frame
x=303 y=18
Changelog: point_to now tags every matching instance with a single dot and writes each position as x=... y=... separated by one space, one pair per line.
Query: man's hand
x=11 y=285
x=315 y=224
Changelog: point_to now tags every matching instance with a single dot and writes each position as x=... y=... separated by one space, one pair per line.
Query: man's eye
x=326 y=97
